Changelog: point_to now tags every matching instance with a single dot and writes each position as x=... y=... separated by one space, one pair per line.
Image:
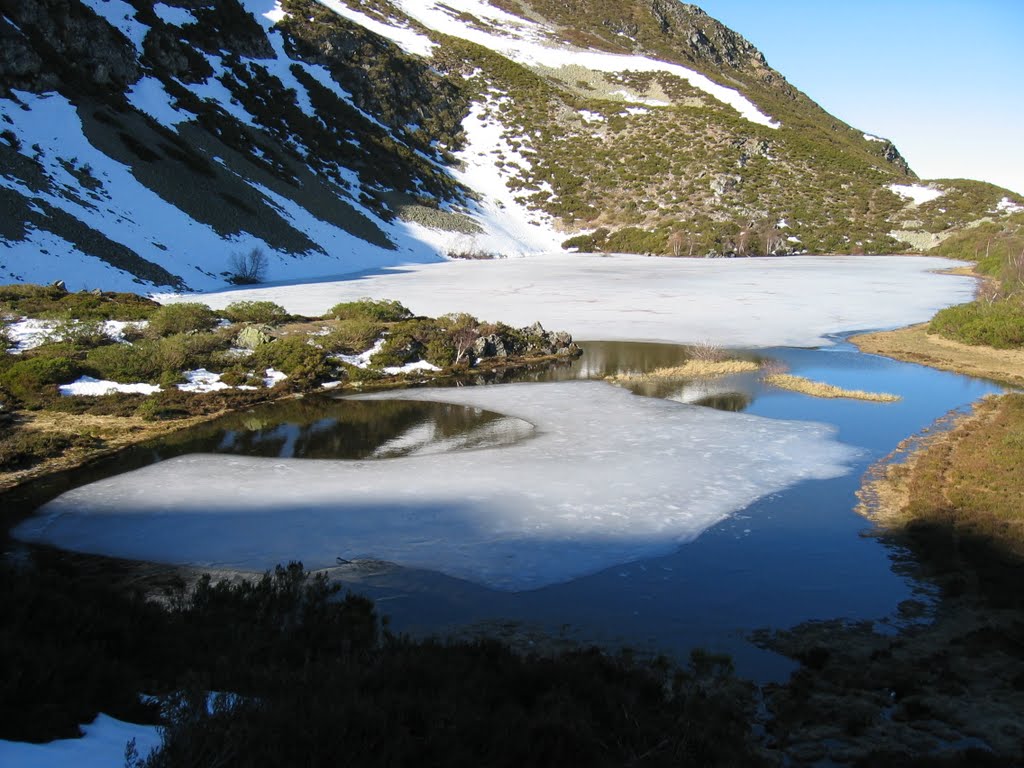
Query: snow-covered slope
x=146 y=144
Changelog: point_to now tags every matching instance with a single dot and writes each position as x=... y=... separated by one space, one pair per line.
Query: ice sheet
x=584 y=494
x=794 y=301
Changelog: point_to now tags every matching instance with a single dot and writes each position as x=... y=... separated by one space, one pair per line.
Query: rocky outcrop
x=71 y=45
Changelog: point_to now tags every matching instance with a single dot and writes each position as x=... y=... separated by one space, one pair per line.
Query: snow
x=202 y=380
x=917 y=193
x=582 y=495
x=792 y=300
x=592 y=117
x=362 y=360
x=122 y=16
x=148 y=95
x=102 y=745
x=177 y=17
x=272 y=378
x=419 y=365
x=527 y=43
x=1006 y=205
x=869 y=137
x=276 y=14
x=407 y=39
x=29 y=333
x=89 y=387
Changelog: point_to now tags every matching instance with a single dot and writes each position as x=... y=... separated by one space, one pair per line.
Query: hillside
x=147 y=145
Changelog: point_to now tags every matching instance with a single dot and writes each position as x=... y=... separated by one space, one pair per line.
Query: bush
x=248 y=268
x=262 y=312
x=33 y=379
x=354 y=335
x=83 y=334
x=125 y=363
x=181 y=318
x=998 y=324
x=52 y=302
x=23 y=448
x=293 y=355
x=380 y=310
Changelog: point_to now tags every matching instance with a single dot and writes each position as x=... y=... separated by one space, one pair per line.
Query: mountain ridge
x=142 y=144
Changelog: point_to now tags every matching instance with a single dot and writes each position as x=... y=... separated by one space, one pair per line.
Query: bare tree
x=463 y=329
x=248 y=268
x=675 y=242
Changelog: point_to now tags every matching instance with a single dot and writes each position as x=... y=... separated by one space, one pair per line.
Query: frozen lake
x=645 y=520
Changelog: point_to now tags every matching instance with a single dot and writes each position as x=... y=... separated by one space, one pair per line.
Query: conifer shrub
x=998 y=324
x=352 y=335
x=181 y=318
x=293 y=355
x=126 y=363
x=34 y=379
x=262 y=312
x=379 y=310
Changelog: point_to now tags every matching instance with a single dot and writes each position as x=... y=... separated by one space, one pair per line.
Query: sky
x=944 y=79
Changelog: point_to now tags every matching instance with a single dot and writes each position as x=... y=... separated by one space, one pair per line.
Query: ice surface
x=916 y=192
x=794 y=301
x=102 y=746
x=609 y=477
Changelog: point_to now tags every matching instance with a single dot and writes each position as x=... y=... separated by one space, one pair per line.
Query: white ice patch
x=87 y=386
x=917 y=193
x=792 y=300
x=584 y=494
x=102 y=746
x=526 y=43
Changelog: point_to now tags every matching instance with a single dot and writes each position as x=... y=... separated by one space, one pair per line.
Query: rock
x=60 y=286
x=254 y=336
x=490 y=346
x=724 y=182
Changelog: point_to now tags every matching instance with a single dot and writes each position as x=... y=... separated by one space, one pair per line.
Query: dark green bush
x=51 y=302
x=379 y=310
x=181 y=318
x=34 y=379
x=22 y=449
x=998 y=324
x=263 y=312
x=126 y=363
x=353 y=335
x=293 y=355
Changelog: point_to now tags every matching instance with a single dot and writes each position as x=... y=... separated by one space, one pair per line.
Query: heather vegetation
x=240 y=346
x=996 y=317
x=314 y=674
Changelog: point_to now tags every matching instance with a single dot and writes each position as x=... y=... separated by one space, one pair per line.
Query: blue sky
x=944 y=79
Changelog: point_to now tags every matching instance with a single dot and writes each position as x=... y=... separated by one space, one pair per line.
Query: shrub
x=35 y=378
x=998 y=324
x=125 y=363
x=181 y=318
x=356 y=334
x=248 y=268
x=23 y=448
x=381 y=310
x=53 y=302
x=293 y=355
x=83 y=334
x=262 y=312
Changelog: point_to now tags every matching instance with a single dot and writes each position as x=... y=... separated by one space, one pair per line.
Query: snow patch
x=176 y=17
x=917 y=193
x=1006 y=205
x=102 y=745
x=87 y=386
x=869 y=137
x=202 y=380
x=582 y=495
x=419 y=365
x=407 y=39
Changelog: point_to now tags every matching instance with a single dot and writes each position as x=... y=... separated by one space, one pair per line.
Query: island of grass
x=85 y=374
x=820 y=389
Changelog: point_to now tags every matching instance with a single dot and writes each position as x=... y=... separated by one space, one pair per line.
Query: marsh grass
x=691 y=369
x=820 y=389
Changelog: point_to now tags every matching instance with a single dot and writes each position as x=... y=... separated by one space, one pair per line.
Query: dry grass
x=819 y=389
x=970 y=477
x=691 y=369
x=916 y=345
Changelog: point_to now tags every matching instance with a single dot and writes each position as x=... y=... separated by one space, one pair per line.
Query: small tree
x=463 y=330
x=248 y=268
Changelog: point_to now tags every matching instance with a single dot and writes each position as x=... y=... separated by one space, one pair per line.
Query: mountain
x=147 y=145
